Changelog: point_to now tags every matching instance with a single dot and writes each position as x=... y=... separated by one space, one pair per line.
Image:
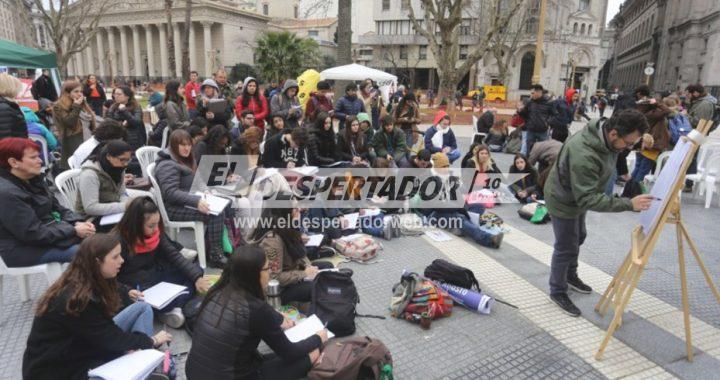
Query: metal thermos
x=273 y=294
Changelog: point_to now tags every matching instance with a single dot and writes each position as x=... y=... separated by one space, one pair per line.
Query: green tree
x=241 y=71
x=281 y=55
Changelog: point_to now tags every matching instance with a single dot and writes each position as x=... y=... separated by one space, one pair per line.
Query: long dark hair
x=213 y=137
x=84 y=281
x=180 y=136
x=279 y=220
x=241 y=274
x=409 y=97
x=171 y=92
x=131 y=226
x=319 y=124
x=246 y=95
x=358 y=139
x=132 y=104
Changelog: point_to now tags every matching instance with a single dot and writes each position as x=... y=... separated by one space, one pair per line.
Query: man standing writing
x=576 y=184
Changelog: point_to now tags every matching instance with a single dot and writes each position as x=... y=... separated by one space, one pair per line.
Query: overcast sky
x=613 y=7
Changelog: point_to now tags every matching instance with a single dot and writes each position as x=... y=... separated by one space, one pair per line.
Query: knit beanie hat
x=440 y=160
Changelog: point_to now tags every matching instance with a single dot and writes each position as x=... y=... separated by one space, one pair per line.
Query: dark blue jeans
x=533 y=137
x=643 y=167
x=467 y=227
x=372 y=225
x=59 y=255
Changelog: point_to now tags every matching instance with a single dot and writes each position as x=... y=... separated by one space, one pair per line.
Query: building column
x=207 y=47
x=79 y=65
x=101 y=51
x=124 y=53
x=163 y=51
x=89 y=58
x=136 y=51
x=113 y=54
x=193 y=52
x=150 y=50
x=178 y=50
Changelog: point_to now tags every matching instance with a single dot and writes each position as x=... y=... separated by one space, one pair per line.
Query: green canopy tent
x=24 y=57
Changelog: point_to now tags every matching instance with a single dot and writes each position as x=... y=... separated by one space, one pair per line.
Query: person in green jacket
x=576 y=184
x=389 y=143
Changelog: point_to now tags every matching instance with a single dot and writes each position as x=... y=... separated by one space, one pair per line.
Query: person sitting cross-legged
x=441 y=138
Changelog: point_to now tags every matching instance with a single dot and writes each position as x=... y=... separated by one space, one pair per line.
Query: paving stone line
x=658 y=312
x=577 y=334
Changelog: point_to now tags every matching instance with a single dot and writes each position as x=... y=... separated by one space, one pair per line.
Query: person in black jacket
x=486 y=121
x=537 y=114
x=43 y=88
x=234 y=317
x=352 y=144
x=321 y=147
x=127 y=111
x=175 y=170
x=77 y=326
x=526 y=189
x=12 y=120
x=286 y=150
x=216 y=142
x=94 y=94
x=34 y=227
x=151 y=257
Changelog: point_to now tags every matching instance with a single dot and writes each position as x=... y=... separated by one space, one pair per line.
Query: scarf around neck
x=149 y=244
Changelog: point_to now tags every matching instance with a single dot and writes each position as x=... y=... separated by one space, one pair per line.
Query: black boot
x=217 y=259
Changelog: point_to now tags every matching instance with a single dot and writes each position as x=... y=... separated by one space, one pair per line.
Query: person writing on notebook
x=234 y=317
x=79 y=324
x=576 y=184
x=151 y=257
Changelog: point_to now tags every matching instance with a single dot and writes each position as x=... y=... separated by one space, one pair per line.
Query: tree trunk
x=170 y=37
x=344 y=42
x=186 y=40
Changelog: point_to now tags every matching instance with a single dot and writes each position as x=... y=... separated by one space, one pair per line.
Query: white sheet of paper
x=474 y=217
x=135 y=366
x=351 y=237
x=371 y=211
x=438 y=236
x=306 y=328
x=162 y=294
x=305 y=170
x=217 y=204
x=111 y=219
x=352 y=220
x=315 y=240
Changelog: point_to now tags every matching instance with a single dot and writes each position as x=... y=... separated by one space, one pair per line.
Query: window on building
x=404 y=4
x=385 y=5
x=680 y=51
x=705 y=46
x=532 y=26
x=422 y=52
x=589 y=30
x=575 y=28
x=266 y=9
x=463 y=51
x=295 y=11
x=465 y=26
x=582 y=29
x=526 y=71
x=699 y=75
x=313 y=33
x=403 y=52
x=366 y=52
x=583 y=5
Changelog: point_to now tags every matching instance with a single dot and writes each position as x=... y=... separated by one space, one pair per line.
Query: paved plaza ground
x=536 y=340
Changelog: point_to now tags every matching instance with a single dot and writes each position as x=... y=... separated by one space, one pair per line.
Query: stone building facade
x=131 y=41
x=572 y=45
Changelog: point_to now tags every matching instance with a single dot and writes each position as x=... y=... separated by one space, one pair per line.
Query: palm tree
x=281 y=55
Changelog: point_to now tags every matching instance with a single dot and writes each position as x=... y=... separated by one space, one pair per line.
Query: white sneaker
x=189 y=254
x=173 y=318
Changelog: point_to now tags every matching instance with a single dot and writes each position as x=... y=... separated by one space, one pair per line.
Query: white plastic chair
x=166 y=135
x=52 y=272
x=148 y=130
x=662 y=158
x=475 y=132
x=146 y=155
x=67 y=183
x=44 y=147
x=172 y=226
x=706 y=150
x=712 y=178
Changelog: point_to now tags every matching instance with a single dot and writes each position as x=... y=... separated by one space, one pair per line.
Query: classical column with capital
x=191 y=48
x=100 y=52
x=136 y=51
x=90 y=67
x=79 y=65
x=112 y=53
x=207 y=47
x=178 y=50
x=150 y=50
x=124 y=52
x=163 y=51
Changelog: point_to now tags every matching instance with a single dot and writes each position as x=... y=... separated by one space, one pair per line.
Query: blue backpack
x=678 y=126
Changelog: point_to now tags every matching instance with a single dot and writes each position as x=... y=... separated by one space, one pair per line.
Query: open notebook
x=306 y=328
x=135 y=366
x=217 y=204
x=162 y=294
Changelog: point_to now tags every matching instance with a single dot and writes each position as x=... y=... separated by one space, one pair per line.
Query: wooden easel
x=626 y=279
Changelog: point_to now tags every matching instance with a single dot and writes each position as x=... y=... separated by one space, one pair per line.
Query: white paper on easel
x=669 y=175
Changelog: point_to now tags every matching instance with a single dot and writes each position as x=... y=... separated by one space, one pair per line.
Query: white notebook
x=217 y=204
x=162 y=294
x=111 y=219
x=306 y=328
x=352 y=220
x=135 y=366
x=314 y=240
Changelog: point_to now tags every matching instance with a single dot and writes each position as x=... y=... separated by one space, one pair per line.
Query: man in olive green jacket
x=576 y=184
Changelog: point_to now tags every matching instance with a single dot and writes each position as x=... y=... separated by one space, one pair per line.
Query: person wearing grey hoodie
x=209 y=91
x=287 y=105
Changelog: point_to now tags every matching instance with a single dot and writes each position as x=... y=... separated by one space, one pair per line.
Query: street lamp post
x=539 y=43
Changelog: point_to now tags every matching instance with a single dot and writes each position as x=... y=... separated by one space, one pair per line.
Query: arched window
x=589 y=29
x=526 y=71
x=582 y=29
x=583 y=5
x=575 y=26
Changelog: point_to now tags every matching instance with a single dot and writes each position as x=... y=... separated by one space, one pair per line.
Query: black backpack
x=447 y=272
x=334 y=298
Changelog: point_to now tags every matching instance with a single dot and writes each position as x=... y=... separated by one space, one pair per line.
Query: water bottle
x=273 y=294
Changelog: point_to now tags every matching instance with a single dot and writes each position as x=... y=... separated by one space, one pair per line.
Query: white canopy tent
x=355 y=72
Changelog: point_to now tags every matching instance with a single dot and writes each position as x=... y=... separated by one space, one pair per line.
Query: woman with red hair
x=34 y=227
